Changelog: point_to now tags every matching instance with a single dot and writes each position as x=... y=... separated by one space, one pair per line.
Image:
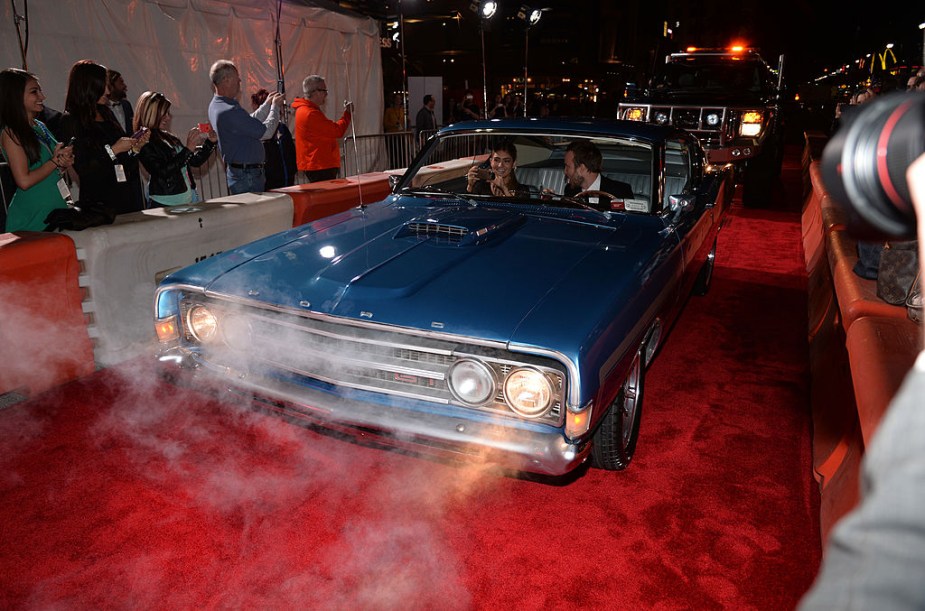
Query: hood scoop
x=467 y=229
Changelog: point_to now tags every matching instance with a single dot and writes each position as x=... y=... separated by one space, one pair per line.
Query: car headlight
x=751 y=124
x=634 y=114
x=713 y=119
x=202 y=323
x=528 y=392
x=472 y=382
x=661 y=117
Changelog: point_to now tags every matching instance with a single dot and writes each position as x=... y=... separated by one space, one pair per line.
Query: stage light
x=531 y=15
x=486 y=9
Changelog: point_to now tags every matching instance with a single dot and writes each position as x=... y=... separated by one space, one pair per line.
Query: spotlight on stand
x=530 y=16
x=485 y=9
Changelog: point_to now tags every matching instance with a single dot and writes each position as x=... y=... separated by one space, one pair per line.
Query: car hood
x=474 y=271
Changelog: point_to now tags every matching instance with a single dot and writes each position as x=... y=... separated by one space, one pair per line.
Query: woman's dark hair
x=86 y=84
x=507 y=146
x=259 y=97
x=13 y=115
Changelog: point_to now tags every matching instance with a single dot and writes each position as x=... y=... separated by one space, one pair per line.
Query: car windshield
x=727 y=76
x=529 y=169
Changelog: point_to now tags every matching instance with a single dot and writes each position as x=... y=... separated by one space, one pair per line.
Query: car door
x=690 y=215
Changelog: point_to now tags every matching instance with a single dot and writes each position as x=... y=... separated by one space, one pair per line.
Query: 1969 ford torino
x=512 y=326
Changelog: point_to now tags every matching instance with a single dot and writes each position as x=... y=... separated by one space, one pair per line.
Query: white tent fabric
x=169 y=45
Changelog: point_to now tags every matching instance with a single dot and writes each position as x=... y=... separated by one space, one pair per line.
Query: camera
x=864 y=164
x=485 y=174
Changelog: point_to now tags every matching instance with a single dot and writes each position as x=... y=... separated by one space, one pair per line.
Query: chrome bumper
x=423 y=433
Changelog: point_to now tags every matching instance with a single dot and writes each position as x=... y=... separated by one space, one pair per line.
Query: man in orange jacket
x=316 y=136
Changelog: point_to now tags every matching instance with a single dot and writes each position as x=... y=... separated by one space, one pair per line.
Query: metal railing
x=369 y=153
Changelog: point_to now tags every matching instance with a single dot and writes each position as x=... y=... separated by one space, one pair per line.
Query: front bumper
x=547 y=453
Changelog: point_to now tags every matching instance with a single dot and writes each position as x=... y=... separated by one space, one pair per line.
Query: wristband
x=110 y=152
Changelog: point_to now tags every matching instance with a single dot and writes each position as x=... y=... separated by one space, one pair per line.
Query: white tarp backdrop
x=169 y=45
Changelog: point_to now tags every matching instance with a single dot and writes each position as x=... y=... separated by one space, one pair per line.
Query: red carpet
x=121 y=492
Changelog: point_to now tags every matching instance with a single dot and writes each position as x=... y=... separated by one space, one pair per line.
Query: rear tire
x=614 y=441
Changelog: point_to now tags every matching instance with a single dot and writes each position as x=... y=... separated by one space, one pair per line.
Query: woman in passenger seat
x=500 y=180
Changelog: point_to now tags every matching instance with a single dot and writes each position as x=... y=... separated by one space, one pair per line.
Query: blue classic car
x=507 y=325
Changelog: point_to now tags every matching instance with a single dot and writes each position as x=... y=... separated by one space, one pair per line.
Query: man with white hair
x=316 y=136
x=241 y=135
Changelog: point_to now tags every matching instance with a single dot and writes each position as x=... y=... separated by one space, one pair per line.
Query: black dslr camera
x=864 y=164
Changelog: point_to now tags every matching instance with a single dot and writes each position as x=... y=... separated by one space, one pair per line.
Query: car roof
x=587 y=127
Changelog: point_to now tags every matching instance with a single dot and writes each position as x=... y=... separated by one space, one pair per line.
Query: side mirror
x=680 y=203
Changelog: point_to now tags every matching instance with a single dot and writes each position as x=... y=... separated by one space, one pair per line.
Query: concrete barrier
x=123 y=262
x=43 y=335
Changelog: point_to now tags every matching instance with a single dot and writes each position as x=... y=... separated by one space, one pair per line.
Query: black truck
x=731 y=100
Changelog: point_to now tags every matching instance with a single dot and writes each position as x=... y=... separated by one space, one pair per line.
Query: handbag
x=914 y=301
x=79 y=217
x=899 y=266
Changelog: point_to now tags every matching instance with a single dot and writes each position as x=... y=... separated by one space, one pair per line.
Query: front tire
x=614 y=441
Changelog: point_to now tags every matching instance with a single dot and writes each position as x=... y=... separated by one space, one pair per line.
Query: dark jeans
x=319 y=175
x=250 y=180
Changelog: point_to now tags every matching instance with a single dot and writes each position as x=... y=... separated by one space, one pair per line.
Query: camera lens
x=864 y=164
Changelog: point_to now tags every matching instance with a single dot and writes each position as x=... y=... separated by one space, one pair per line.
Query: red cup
x=205 y=128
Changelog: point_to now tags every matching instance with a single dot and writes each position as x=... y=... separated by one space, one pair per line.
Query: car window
x=677 y=169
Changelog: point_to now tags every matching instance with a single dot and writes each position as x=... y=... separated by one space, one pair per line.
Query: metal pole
x=484 y=74
x=526 y=46
x=404 y=64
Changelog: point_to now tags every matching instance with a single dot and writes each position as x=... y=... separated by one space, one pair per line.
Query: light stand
x=531 y=17
x=486 y=9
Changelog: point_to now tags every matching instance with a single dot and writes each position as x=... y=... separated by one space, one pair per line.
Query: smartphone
x=485 y=174
x=205 y=128
x=141 y=132
x=71 y=142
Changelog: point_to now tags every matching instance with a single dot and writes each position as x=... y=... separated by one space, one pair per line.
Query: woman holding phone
x=499 y=178
x=165 y=157
x=36 y=159
x=104 y=161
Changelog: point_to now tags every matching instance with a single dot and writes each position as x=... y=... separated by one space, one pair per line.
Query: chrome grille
x=450 y=233
x=268 y=343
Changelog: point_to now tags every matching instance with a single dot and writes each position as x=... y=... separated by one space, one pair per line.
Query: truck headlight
x=634 y=114
x=713 y=119
x=751 y=124
x=528 y=392
x=661 y=117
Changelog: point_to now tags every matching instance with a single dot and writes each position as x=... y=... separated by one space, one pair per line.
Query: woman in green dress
x=36 y=159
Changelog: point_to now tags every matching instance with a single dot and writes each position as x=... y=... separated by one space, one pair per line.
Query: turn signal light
x=166 y=329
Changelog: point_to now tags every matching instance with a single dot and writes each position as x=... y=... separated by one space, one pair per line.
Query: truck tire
x=760 y=175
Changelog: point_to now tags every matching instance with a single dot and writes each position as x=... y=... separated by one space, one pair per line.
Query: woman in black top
x=106 y=168
x=165 y=157
x=499 y=178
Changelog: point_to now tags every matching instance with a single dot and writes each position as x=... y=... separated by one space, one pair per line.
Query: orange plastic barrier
x=881 y=351
x=857 y=297
x=43 y=335
x=860 y=348
x=317 y=200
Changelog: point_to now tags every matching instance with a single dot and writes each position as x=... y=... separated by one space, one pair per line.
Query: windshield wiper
x=431 y=190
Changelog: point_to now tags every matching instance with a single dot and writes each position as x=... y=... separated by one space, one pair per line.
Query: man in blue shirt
x=240 y=135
